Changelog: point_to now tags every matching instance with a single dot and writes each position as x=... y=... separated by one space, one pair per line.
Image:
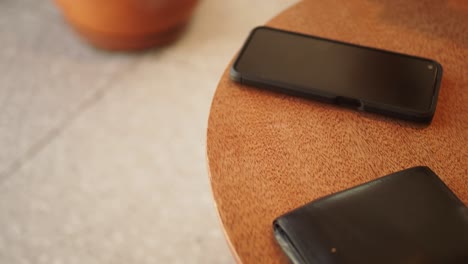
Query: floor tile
x=47 y=74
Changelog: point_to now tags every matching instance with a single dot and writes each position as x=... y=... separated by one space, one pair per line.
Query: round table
x=269 y=153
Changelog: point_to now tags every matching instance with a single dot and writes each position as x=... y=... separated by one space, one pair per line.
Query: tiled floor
x=102 y=155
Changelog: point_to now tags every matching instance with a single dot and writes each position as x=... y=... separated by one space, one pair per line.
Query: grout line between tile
x=42 y=143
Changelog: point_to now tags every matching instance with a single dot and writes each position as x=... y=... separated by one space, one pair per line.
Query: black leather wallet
x=407 y=217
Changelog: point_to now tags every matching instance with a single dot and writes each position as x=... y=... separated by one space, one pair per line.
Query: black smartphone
x=361 y=77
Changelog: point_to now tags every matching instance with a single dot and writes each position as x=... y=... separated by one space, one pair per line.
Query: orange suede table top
x=269 y=153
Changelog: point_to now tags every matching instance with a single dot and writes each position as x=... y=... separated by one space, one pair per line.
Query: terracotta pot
x=128 y=24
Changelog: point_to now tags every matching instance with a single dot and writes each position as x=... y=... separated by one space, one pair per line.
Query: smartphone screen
x=321 y=66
